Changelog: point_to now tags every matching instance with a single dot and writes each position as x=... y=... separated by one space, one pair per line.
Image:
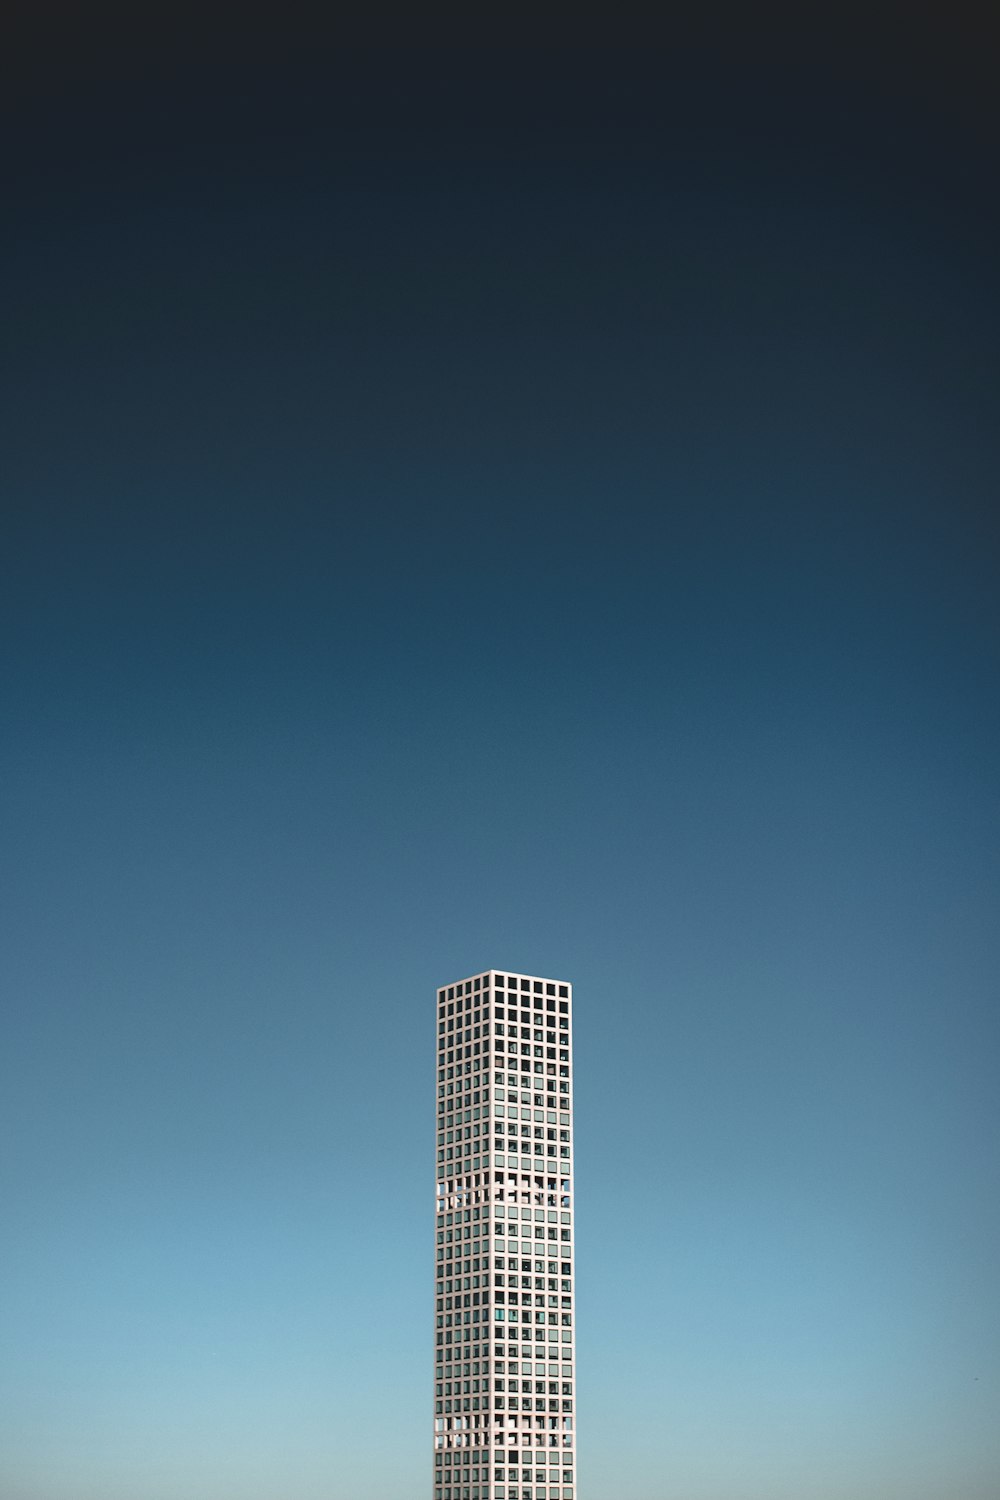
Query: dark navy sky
x=465 y=508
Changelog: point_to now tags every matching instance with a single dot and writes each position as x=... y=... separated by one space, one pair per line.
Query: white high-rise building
x=504 y=1355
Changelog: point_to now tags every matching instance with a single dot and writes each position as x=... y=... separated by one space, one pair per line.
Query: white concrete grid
x=505 y=1351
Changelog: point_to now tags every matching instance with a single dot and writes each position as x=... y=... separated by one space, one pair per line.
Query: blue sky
x=567 y=546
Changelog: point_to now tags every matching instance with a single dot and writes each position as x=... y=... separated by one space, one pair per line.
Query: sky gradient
x=460 y=513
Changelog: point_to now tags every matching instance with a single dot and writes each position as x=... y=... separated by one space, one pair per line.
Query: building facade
x=504 y=1293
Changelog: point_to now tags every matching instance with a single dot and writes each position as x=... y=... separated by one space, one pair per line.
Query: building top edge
x=489 y=974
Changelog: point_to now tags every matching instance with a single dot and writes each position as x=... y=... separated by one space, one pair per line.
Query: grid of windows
x=504 y=1406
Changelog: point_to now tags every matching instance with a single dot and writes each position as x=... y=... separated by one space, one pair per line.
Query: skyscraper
x=504 y=1350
